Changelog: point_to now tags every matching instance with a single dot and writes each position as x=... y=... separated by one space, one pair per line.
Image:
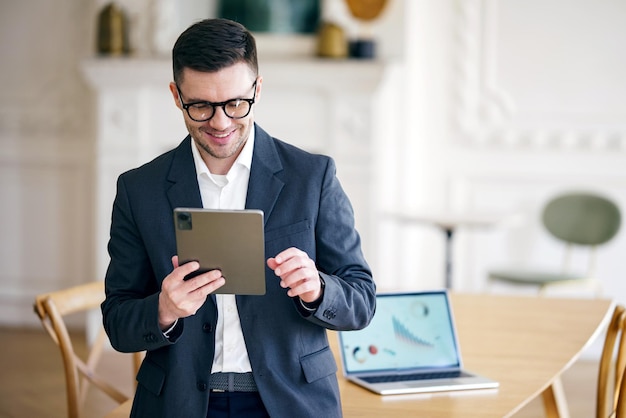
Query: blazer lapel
x=184 y=191
x=264 y=187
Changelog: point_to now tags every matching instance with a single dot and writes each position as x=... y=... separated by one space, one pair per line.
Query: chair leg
x=554 y=402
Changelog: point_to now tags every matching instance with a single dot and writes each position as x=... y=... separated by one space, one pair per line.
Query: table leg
x=448 y=267
x=554 y=402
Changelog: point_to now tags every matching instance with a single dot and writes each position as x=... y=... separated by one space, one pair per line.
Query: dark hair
x=212 y=45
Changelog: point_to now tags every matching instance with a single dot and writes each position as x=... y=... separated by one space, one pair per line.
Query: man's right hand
x=180 y=298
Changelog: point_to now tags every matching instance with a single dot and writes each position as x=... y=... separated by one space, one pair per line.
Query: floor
x=32 y=382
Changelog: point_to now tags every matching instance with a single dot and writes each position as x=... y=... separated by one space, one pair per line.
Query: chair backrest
x=582 y=218
x=612 y=366
x=79 y=374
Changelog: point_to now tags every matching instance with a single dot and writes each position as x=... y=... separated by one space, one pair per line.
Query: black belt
x=232 y=382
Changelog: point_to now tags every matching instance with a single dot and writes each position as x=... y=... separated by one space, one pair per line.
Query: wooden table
x=524 y=342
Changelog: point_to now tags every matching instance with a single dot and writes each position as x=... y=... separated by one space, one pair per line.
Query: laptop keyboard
x=415 y=376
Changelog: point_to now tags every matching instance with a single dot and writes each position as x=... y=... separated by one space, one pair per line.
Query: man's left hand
x=298 y=273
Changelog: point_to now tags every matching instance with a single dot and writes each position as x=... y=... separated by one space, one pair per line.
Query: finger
x=176 y=278
x=212 y=286
x=203 y=279
x=293 y=278
x=195 y=291
x=307 y=285
x=184 y=270
x=293 y=265
x=272 y=263
x=288 y=254
x=175 y=261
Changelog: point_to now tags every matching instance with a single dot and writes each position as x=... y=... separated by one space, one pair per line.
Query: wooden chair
x=582 y=219
x=611 y=401
x=79 y=374
x=620 y=410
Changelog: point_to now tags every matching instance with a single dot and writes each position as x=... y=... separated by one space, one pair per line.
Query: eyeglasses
x=204 y=111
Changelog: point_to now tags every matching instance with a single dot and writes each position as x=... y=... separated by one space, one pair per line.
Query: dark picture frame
x=273 y=16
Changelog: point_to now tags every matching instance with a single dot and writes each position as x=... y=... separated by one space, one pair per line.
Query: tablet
x=229 y=240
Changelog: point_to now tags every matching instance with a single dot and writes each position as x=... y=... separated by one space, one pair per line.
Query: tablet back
x=229 y=240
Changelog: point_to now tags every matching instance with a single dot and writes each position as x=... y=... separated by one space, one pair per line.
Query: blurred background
x=477 y=109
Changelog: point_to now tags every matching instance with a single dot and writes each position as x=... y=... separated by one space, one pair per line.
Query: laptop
x=410 y=346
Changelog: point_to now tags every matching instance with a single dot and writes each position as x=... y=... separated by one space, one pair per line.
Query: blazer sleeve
x=130 y=317
x=349 y=300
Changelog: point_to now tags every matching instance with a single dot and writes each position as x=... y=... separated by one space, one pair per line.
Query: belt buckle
x=218 y=390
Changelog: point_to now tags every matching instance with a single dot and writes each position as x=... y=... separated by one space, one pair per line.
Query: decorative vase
x=365 y=11
x=112 y=31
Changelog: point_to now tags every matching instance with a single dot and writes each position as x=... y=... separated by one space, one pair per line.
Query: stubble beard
x=220 y=152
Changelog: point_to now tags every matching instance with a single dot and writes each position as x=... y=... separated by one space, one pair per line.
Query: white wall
x=46 y=139
x=518 y=100
x=510 y=102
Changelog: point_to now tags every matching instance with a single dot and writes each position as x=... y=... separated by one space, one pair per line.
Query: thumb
x=271 y=263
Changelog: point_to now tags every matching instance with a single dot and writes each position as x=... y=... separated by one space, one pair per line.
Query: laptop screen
x=408 y=331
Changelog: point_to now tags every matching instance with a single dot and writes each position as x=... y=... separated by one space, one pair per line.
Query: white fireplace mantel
x=364 y=76
x=335 y=107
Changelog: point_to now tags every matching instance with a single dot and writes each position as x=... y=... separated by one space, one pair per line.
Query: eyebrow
x=197 y=101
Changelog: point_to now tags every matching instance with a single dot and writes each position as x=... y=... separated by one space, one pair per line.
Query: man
x=226 y=355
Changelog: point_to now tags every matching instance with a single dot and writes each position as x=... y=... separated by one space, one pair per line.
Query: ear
x=174 y=92
x=259 y=87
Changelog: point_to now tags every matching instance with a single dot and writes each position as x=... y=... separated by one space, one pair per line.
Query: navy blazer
x=293 y=366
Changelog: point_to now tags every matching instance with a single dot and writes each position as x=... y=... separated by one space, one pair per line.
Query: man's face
x=221 y=138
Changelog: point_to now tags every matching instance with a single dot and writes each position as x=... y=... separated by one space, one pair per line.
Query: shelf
x=279 y=71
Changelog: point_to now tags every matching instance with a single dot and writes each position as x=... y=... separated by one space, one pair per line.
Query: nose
x=219 y=121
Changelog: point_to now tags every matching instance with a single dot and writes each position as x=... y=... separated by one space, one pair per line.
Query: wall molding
x=485 y=112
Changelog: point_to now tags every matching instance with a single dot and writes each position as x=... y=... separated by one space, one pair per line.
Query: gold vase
x=112 y=31
x=331 y=41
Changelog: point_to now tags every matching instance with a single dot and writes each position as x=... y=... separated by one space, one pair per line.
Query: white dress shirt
x=227 y=192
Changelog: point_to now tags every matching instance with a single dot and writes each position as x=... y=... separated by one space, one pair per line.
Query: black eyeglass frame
x=215 y=105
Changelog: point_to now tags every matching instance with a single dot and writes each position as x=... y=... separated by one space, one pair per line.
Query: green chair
x=577 y=219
